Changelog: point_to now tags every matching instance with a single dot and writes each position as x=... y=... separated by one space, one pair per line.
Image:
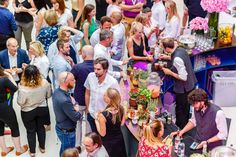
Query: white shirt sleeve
x=221 y=125
x=179 y=65
x=193 y=119
x=86 y=83
x=175 y=23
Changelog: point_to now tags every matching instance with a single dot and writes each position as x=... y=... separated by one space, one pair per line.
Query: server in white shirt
x=102 y=49
x=184 y=78
x=209 y=120
x=105 y=23
x=96 y=85
x=158 y=14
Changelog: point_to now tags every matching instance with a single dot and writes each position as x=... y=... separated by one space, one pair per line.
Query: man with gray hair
x=66 y=111
x=80 y=72
x=102 y=49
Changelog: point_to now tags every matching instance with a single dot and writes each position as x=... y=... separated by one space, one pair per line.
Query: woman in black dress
x=7 y=114
x=108 y=124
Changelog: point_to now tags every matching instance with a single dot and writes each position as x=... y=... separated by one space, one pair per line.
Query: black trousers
x=8 y=116
x=34 y=123
x=182 y=109
x=92 y=124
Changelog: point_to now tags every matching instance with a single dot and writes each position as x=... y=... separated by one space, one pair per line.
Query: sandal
x=9 y=150
x=41 y=150
x=32 y=154
x=24 y=149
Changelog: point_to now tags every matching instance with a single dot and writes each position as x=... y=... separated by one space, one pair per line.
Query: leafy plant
x=134 y=93
x=143 y=114
x=145 y=92
x=143 y=75
x=152 y=107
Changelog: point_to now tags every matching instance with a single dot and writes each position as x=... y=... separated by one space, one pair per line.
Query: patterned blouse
x=47 y=36
x=147 y=151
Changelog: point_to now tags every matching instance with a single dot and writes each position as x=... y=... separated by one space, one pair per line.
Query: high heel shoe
x=41 y=150
x=9 y=150
x=24 y=149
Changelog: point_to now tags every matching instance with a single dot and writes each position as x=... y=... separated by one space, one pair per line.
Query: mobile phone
x=194 y=145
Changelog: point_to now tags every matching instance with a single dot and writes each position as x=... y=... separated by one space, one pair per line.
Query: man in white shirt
x=105 y=23
x=93 y=146
x=209 y=120
x=96 y=85
x=118 y=29
x=158 y=14
x=102 y=49
x=184 y=78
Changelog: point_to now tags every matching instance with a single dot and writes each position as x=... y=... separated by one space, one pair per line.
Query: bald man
x=80 y=72
x=66 y=111
x=12 y=58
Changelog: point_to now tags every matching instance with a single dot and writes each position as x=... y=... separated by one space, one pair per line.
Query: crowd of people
x=85 y=79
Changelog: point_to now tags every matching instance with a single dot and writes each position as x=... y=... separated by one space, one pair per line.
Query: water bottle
x=177 y=142
x=181 y=149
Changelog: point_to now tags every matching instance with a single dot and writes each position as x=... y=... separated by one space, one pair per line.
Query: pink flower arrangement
x=199 y=23
x=215 y=5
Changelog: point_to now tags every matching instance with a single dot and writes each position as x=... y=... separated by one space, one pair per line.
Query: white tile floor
x=52 y=143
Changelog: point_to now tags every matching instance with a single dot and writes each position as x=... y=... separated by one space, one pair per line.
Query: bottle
x=181 y=149
x=204 y=149
x=177 y=142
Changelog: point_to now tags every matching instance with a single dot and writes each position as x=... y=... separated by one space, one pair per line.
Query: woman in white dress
x=38 y=58
x=64 y=14
x=172 y=27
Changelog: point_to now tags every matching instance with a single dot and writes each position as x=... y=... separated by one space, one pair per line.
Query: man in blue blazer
x=12 y=58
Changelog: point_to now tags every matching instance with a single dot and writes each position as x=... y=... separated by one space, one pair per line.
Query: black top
x=23 y=16
x=138 y=49
x=101 y=8
x=6 y=86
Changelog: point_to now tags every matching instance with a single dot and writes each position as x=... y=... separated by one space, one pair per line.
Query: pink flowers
x=215 y=5
x=198 y=23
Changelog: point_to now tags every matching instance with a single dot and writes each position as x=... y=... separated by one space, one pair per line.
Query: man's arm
x=87 y=97
x=70 y=111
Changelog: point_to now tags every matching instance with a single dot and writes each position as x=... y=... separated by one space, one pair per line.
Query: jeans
x=67 y=139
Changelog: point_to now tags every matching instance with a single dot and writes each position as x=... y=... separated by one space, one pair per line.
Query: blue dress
x=47 y=36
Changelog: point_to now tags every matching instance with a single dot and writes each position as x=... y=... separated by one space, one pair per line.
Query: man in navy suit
x=12 y=58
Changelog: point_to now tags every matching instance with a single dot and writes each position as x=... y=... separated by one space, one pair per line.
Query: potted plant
x=144 y=97
x=143 y=117
x=152 y=110
x=143 y=75
x=134 y=93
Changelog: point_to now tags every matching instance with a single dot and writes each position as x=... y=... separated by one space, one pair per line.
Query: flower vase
x=213 y=22
x=199 y=32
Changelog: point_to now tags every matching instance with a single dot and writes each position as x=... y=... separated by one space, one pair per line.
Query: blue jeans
x=67 y=139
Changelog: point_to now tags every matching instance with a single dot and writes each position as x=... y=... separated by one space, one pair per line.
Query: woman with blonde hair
x=108 y=124
x=136 y=44
x=172 y=27
x=48 y=35
x=64 y=14
x=32 y=94
x=38 y=58
x=151 y=143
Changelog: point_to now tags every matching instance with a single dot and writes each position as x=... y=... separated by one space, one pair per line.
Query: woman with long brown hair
x=88 y=23
x=108 y=124
x=64 y=14
x=32 y=95
x=7 y=114
x=151 y=143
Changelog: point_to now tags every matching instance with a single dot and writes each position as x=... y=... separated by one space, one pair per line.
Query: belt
x=67 y=130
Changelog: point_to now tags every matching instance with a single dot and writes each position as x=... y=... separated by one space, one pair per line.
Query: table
x=132 y=135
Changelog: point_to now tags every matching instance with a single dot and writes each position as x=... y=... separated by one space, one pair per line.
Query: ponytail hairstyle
x=152 y=130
